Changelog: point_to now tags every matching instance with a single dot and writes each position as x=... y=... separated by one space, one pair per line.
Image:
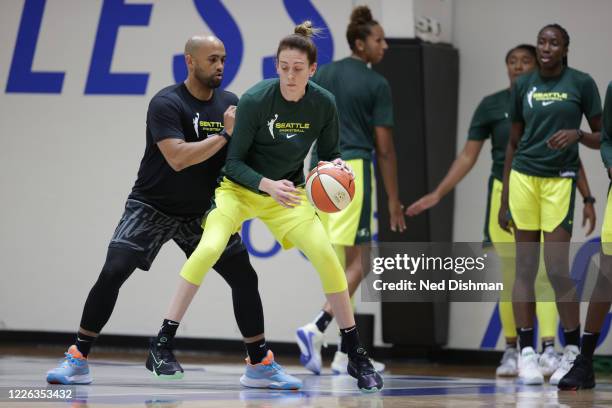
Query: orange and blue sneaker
x=269 y=374
x=72 y=370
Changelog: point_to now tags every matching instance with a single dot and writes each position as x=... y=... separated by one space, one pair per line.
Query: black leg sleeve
x=101 y=301
x=242 y=278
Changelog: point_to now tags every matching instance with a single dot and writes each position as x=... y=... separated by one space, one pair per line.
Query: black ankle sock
x=547 y=343
x=572 y=337
x=257 y=351
x=350 y=339
x=525 y=335
x=323 y=320
x=167 y=331
x=589 y=342
x=84 y=342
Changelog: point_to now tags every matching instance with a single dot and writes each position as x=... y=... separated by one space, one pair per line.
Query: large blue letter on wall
x=100 y=80
x=21 y=78
x=299 y=11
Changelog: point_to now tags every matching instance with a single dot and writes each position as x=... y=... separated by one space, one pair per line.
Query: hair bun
x=305 y=29
x=361 y=15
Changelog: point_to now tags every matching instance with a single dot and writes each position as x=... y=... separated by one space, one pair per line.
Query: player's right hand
x=502 y=218
x=229 y=117
x=283 y=192
x=422 y=204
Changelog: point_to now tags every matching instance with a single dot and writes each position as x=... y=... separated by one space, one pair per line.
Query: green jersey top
x=491 y=119
x=272 y=136
x=546 y=105
x=364 y=101
x=606 y=129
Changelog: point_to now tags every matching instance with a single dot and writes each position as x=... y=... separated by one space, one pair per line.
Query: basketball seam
x=327 y=192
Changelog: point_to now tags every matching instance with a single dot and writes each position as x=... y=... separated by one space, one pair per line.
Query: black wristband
x=579 y=134
x=225 y=135
x=589 y=200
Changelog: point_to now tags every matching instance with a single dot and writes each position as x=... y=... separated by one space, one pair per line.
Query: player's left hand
x=344 y=165
x=588 y=215
x=396 y=216
x=562 y=139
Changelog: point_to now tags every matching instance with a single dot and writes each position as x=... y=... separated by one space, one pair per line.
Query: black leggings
x=236 y=269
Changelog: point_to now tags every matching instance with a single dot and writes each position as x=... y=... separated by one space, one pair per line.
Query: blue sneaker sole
x=62 y=379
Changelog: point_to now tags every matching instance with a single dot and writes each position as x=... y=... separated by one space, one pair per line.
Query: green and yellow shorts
x=353 y=225
x=541 y=203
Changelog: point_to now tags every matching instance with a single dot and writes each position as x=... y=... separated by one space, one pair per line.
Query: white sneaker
x=340 y=363
x=567 y=361
x=509 y=364
x=310 y=340
x=549 y=361
x=529 y=371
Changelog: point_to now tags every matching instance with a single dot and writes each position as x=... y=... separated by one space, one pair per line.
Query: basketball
x=330 y=188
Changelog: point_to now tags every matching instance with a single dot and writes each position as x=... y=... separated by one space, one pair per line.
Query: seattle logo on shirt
x=288 y=129
x=546 y=98
x=271 y=124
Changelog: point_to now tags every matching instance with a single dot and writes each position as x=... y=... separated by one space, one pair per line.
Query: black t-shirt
x=175 y=113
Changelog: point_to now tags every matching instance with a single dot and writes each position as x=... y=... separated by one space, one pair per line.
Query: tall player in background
x=365 y=110
x=187 y=129
x=581 y=375
x=491 y=120
x=546 y=109
x=263 y=178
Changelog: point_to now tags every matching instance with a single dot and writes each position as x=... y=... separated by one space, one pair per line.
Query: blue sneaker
x=309 y=340
x=269 y=374
x=72 y=370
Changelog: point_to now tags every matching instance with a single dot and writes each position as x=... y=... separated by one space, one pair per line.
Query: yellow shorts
x=541 y=203
x=239 y=204
x=353 y=225
x=606 y=228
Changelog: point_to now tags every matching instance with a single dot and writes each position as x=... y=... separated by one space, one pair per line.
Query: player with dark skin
x=553 y=73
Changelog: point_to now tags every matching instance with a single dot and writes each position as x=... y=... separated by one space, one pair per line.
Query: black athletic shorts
x=143 y=230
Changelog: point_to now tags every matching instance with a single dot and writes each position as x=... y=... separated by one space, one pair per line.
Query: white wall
x=68 y=160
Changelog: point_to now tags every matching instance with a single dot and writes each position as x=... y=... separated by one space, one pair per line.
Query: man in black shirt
x=188 y=127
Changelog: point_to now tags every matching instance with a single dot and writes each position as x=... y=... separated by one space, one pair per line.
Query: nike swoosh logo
x=159 y=363
x=290 y=136
x=546 y=103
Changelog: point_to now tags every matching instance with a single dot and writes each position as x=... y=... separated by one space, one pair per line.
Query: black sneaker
x=161 y=360
x=580 y=376
x=360 y=367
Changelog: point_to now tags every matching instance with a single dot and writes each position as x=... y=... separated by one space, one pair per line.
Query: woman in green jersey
x=581 y=375
x=546 y=108
x=366 y=126
x=277 y=121
x=491 y=120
